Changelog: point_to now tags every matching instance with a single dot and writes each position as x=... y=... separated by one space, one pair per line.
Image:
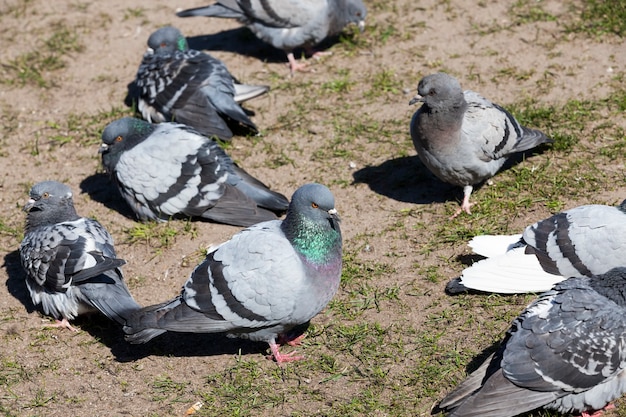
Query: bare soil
x=389 y=205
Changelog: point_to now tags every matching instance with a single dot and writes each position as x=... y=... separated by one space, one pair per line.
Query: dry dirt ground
x=344 y=124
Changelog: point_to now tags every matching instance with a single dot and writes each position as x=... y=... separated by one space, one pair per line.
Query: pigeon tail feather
x=492 y=245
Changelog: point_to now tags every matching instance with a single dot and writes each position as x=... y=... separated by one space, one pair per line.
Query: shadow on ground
x=167 y=344
x=100 y=188
x=16 y=281
x=406 y=179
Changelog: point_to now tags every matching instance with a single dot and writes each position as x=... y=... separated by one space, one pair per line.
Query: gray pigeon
x=463 y=138
x=179 y=84
x=170 y=170
x=583 y=241
x=565 y=352
x=70 y=262
x=263 y=284
x=288 y=24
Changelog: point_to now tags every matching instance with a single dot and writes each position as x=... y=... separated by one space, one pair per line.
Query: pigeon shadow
x=16 y=281
x=405 y=179
x=168 y=344
x=101 y=189
x=173 y=343
x=240 y=41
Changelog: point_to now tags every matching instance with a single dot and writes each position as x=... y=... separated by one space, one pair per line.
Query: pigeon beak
x=361 y=25
x=103 y=148
x=29 y=205
x=334 y=218
x=150 y=51
x=416 y=99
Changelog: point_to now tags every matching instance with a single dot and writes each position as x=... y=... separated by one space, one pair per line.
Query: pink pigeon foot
x=465 y=205
x=295 y=65
x=599 y=412
x=62 y=323
x=282 y=357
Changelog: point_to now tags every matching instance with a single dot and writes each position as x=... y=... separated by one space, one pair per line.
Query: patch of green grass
x=160 y=235
x=243 y=389
x=33 y=67
x=528 y=11
x=341 y=84
x=81 y=128
x=384 y=82
x=600 y=17
x=164 y=388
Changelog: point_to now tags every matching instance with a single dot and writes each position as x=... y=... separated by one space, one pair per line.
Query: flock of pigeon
x=566 y=351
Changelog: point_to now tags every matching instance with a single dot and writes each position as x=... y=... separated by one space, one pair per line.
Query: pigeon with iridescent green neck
x=264 y=284
x=191 y=87
x=71 y=266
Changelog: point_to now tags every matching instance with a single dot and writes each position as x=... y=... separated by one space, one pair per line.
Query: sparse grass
x=598 y=17
x=34 y=66
x=160 y=235
x=390 y=343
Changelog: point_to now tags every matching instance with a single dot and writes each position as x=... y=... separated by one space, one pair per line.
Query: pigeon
x=263 y=284
x=288 y=24
x=70 y=262
x=583 y=241
x=179 y=84
x=463 y=138
x=565 y=352
x=169 y=170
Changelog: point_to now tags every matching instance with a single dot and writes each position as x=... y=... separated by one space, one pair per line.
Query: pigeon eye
x=45 y=195
x=119 y=139
x=314 y=205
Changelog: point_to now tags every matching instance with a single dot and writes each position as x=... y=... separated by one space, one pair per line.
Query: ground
x=391 y=342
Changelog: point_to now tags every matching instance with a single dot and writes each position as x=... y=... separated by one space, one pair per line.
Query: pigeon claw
x=63 y=324
x=282 y=357
x=465 y=206
x=295 y=65
x=599 y=412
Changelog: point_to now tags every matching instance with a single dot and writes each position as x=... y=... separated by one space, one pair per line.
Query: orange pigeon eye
x=314 y=205
x=119 y=139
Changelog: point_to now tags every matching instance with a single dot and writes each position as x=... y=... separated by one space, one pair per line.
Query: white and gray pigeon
x=263 y=284
x=70 y=262
x=583 y=241
x=169 y=170
x=179 y=84
x=288 y=24
x=462 y=137
x=565 y=352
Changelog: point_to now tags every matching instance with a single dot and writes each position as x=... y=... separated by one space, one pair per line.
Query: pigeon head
x=439 y=91
x=49 y=202
x=120 y=135
x=351 y=11
x=312 y=224
x=167 y=40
